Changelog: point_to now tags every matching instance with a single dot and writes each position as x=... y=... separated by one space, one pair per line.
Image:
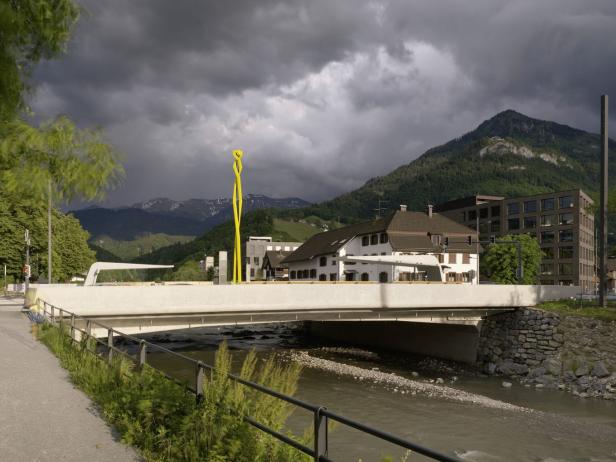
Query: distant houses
x=380 y=246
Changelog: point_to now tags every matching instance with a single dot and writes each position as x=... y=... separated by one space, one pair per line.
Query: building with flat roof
x=256 y=248
x=325 y=256
x=561 y=221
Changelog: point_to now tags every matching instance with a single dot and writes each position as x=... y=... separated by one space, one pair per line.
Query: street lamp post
x=603 y=204
x=27 y=265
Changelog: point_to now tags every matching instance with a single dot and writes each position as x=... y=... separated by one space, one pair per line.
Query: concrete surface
x=42 y=416
x=165 y=300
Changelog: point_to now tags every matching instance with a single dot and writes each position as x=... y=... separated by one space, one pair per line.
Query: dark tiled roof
x=408 y=231
x=275 y=257
x=330 y=241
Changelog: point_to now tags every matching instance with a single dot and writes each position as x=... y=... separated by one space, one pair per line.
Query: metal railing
x=321 y=415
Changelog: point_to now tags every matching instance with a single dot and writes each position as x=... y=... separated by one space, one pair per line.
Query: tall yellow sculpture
x=237 y=215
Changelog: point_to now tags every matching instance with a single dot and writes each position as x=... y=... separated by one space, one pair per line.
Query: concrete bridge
x=437 y=319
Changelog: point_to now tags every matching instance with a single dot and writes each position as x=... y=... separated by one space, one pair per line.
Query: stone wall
x=543 y=349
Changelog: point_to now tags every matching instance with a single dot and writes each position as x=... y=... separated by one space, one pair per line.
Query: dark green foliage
x=164 y=422
x=30 y=30
x=185 y=256
x=71 y=254
x=501 y=260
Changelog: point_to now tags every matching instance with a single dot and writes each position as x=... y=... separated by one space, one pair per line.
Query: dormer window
x=436 y=239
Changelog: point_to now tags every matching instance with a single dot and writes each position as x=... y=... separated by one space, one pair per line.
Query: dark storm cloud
x=321 y=95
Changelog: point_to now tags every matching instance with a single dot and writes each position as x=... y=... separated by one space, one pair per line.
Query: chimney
x=429 y=211
x=403 y=207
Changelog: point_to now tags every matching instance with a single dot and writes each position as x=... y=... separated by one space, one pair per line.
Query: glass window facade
x=513 y=208
x=530 y=206
x=548 y=253
x=548 y=220
x=565 y=219
x=565 y=202
x=530 y=222
x=495 y=211
x=565 y=252
x=565 y=235
x=513 y=223
x=547 y=237
x=483 y=213
x=548 y=204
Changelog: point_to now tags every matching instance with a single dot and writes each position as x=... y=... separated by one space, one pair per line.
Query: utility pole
x=603 y=204
x=49 y=233
x=27 y=265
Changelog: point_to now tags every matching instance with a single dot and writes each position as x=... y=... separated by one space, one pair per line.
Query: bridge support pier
x=457 y=342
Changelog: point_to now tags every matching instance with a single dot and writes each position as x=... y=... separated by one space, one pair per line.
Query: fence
x=321 y=415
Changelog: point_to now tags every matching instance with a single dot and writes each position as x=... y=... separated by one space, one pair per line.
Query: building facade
x=562 y=222
x=402 y=233
x=256 y=248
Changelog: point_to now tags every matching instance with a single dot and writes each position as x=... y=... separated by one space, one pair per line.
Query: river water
x=441 y=405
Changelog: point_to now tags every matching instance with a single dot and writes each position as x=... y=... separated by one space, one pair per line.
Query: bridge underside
x=136 y=324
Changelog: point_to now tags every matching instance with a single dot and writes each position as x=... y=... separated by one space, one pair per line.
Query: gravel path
x=42 y=416
x=403 y=384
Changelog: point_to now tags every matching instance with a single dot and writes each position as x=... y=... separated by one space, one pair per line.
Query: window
x=441 y=258
x=349 y=276
x=565 y=269
x=513 y=208
x=333 y=277
x=548 y=253
x=313 y=274
x=483 y=228
x=472 y=215
x=365 y=277
x=546 y=269
x=547 y=204
x=384 y=238
x=252 y=272
x=495 y=211
x=513 y=223
x=547 y=237
x=322 y=277
x=436 y=239
x=565 y=252
x=530 y=206
x=548 y=220
x=365 y=241
x=565 y=202
x=483 y=213
x=322 y=261
x=466 y=258
x=565 y=235
x=453 y=258
x=383 y=277
x=292 y=274
x=565 y=219
x=495 y=226
x=374 y=239
x=306 y=274
x=530 y=222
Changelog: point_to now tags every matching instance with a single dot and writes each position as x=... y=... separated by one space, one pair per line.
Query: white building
x=256 y=248
x=402 y=233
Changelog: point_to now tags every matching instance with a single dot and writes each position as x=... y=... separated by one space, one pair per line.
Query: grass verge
x=164 y=422
x=585 y=308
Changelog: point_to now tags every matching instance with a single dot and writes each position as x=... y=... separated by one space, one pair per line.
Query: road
x=42 y=416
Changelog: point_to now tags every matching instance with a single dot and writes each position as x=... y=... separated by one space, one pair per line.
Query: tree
x=501 y=260
x=30 y=30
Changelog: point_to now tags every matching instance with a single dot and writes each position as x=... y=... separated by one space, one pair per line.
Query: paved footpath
x=43 y=417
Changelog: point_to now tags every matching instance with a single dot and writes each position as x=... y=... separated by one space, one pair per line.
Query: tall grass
x=164 y=421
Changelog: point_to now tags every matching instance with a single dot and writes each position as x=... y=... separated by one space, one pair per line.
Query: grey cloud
x=322 y=95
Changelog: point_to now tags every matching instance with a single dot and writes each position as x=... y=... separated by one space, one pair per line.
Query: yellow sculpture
x=237 y=215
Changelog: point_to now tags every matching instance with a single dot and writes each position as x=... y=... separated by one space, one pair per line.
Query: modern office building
x=256 y=248
x=562 y=222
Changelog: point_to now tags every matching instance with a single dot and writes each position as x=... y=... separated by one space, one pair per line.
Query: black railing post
x=142 y=354
x=199 y=378
x=320 y=434
x=109 y=345
x=53 y=314
x=72 y=327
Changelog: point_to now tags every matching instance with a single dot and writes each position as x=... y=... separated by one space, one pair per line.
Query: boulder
x=581 y=370
x=599 y=370
x=508 y=367
x=506 y=384
x=552 y=366
x=536 y=372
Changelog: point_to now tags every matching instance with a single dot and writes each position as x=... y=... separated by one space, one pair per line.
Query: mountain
x=187 y=218
x=510 y=155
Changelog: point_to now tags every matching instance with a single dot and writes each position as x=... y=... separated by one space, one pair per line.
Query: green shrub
x=164 y=421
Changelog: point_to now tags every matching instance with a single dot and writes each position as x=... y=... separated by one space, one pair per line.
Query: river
x=441 y=405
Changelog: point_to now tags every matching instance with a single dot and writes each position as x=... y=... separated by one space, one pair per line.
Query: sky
x=321 y=95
